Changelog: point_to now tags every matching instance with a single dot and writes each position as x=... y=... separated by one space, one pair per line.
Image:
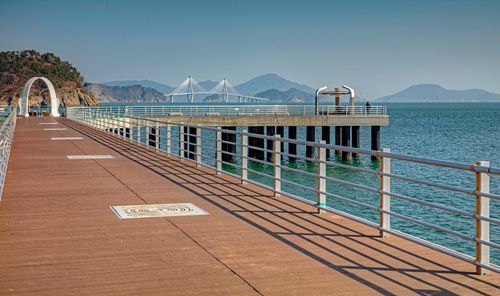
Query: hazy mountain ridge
x=251 y=87
x=279 y=89
x=208 y=84
x=131 y=93
x=270 y=81
x=163 y=88
x=288 y=96
x=436 y=93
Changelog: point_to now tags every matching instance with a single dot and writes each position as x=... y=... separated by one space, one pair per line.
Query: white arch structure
x=54 y=102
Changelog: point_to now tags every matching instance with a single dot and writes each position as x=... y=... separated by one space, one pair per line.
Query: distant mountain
x=131 y=93
x=164 y=89
x=208 y=84
x=215 y=98
x=270 y=81
x=290 y=95
x=436 y=93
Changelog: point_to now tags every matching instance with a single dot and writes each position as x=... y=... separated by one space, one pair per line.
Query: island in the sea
x=433 y=93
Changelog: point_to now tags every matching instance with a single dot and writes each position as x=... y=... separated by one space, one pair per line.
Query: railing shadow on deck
x=224 y=192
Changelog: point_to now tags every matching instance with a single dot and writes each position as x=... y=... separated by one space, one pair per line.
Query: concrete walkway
x=58 y=235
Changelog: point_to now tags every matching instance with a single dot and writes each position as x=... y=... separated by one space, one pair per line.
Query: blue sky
x=379 y=47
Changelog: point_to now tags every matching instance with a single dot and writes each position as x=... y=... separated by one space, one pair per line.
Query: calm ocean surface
x=461 y=132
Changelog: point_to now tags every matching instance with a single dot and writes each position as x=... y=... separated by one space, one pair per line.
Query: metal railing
x=204 y=146
x=6 y=134
x=39 y=110
x=240 y=110
x=5 y=110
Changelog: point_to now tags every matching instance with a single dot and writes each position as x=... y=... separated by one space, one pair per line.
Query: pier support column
x=338 y=138
x=292 y=147
x=226 y=147
x=181 y=142
x=355 y=139
x=375 y=139
x=185 y=141
x=325 y=136
x=189 y=142
x=251 y=141
x=192 y=142
x=310 y=137
x=121 y=130
x=270 y=131
x=152 y=137
x=147 y=130
x=256 y=142
x=346 y=141
x=280 y=131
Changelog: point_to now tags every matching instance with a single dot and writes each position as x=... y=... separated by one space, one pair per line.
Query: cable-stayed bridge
x=190 y=88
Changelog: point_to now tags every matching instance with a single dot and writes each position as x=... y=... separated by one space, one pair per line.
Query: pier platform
x=289 y=120
x=58 y=235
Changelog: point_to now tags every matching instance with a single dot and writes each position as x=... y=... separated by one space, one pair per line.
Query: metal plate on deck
x=157 y=210
x=55 y=129
x=77 y=157
x=66 y=138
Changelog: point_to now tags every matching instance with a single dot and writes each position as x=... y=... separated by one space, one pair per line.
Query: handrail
x=241 y=110
x=197 y=146
x=6 y=135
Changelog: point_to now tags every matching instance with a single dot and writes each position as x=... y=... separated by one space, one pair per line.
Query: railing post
x=482 y=226
x=157 y=136
x=122 y=127
x=92 y=119
x=110 y=123
x=385 y=200
x=130 y=129
x=198 y=146
x=218 y=150
x=277 y=166
x=117 y=124
x=244 y=157
x=147 y=132
x=106 y=122
x=101 y=120
x=113 y=123
x=138 y=132
x=95 y=125
x=169 y=137
x=181 y=142
x=320 y=176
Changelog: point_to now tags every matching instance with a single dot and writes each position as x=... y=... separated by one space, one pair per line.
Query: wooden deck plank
x=58 y=235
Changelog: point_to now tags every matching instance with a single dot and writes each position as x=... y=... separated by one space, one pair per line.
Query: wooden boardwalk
x=58 y=235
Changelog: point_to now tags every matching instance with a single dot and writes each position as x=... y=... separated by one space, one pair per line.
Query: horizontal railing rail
x=7 y=127
x=5 y=110
x=239 y=110
x=204 y=146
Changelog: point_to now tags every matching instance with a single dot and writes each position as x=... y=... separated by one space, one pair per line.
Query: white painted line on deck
x=66 y=138
x=55 y=129
x=49 y=123
x=157 y=210
x=75 y=157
